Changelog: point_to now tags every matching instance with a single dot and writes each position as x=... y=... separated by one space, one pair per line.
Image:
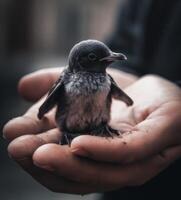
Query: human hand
x=151 y=141
x=32 y=133
x=151 y=138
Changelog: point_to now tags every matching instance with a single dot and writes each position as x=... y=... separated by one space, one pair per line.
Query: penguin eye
x=92 y=57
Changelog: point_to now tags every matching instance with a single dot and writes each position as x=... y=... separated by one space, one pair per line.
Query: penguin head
x=92 y=56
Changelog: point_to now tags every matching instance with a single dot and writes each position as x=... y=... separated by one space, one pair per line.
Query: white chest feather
x=87 y=83
x=87 y=101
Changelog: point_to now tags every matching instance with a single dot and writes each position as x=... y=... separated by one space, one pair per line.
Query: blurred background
x=35 y=34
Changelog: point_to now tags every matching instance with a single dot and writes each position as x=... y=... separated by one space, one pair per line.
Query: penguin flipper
x=119 y=94
x=51 y=100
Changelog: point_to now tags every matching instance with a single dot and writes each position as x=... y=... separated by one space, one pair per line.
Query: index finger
x=29 y=123
x=33 y=86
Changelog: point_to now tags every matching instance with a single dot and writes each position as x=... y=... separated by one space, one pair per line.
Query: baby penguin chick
x=84 y=92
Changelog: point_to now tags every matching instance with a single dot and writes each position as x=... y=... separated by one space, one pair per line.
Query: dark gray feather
x=51 y=100
x=119 y=94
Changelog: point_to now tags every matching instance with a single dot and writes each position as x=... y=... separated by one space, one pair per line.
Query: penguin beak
x=114 y=57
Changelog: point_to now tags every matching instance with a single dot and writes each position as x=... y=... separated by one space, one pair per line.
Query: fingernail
x=46 y=167
x=80 y=152
x=10 y=156
x=3 y=136
x=5 y=128
x=4 y=131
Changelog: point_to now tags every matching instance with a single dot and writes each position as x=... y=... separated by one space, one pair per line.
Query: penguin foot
x=105 y=131
x=67 y=138
x=102 y=131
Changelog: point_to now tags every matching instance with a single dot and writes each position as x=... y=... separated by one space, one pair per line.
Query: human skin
x=150 y=142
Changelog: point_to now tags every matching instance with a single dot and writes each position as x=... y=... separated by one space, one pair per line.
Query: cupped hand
x=149 y=143
x=27 y=134
x=150 y=140
x=150 y=126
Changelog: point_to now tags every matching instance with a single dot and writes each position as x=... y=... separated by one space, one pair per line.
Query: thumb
x=33 y=86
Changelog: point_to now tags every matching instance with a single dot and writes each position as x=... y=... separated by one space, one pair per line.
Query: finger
x=61 y=161
x=33 y=86
x=28 y=123
x=152 y=167
x=53 y=182
x=146 y=139
x=24 y=146
x=22 y=149
x=102 y=175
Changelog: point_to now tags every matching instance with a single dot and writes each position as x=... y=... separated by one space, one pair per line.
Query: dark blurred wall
x=36 y=34
x=44 y=26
